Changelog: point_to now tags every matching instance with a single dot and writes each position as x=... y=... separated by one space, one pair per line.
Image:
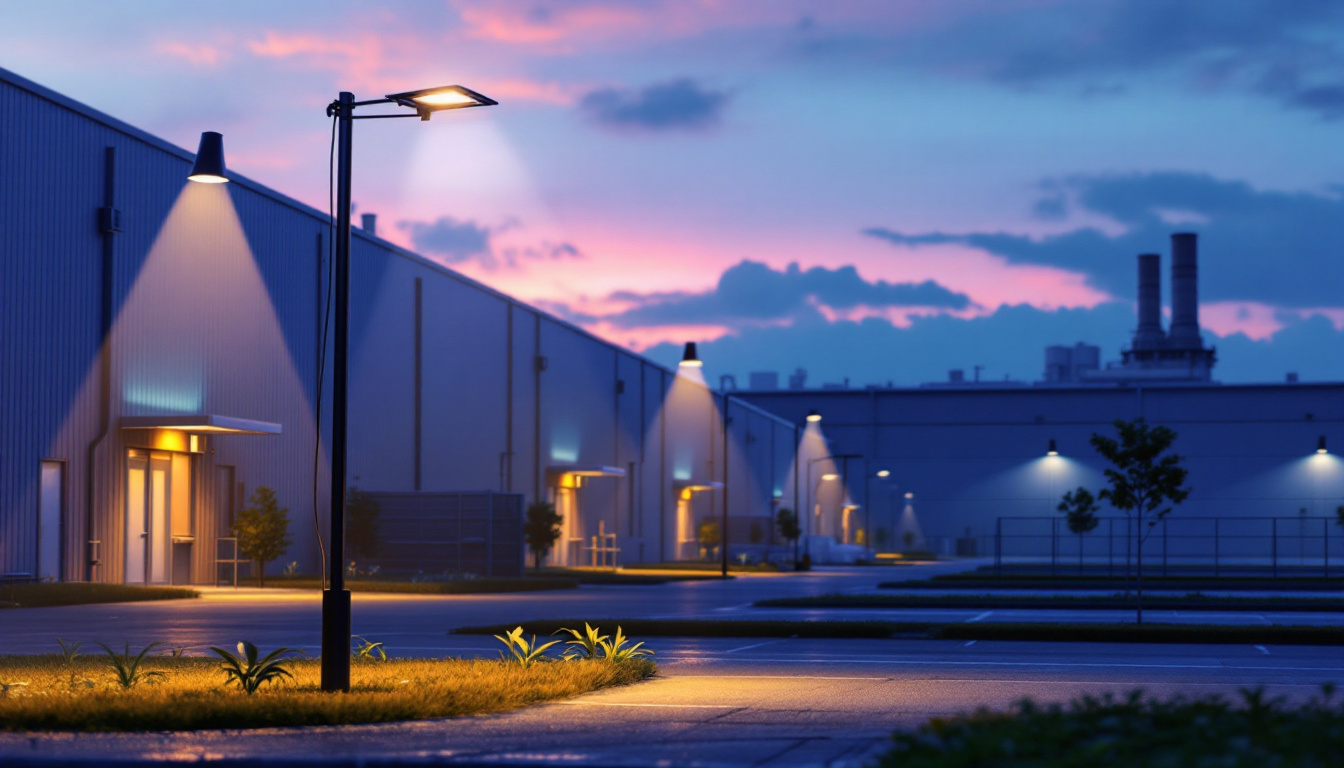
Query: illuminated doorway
x=158 y=517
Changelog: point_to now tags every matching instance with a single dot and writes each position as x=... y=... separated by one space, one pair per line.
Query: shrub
x=249 y=671
x=263 y=530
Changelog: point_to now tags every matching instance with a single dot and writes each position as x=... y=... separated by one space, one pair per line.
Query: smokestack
x=369 y=223
x=1184 y=292
x=1149 y=334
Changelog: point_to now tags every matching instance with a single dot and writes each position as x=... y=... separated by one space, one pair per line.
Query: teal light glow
x=564 y=454
x=159 y=398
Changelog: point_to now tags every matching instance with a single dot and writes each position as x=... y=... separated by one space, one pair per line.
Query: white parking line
x=575 y=703
x=749 y=647
x=984 y=615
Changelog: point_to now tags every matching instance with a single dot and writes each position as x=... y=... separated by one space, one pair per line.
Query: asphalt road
x=726 y=702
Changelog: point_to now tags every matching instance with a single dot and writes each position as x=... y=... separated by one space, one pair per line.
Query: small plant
x=127 y=667
x=523 y=652
x=249 y=671
x=292 y=568
x=368 y=651
x=614 y=650
x=15 y=688
x=585 y=644
x=69 y=650
x=541 y=530
x=177 y=651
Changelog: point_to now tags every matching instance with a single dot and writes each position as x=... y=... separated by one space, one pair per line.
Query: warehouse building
x=162 y=348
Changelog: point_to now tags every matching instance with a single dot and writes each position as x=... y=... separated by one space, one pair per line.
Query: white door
x=147 y=517
x=137 y=518
x=51 y=512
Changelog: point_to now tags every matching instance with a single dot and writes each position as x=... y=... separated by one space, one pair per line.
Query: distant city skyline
x=872 y=191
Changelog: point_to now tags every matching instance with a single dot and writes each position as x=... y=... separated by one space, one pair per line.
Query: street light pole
x=723 y=529
x=335 y=597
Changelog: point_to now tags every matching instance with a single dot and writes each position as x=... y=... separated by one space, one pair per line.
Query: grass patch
x=1095 y=633
x=728 y=628
x=1131 y=731
x=81 y=593
x=454 y=587
x=1184 y=603
x=80 y=696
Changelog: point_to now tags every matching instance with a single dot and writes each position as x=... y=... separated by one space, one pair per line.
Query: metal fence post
x=1110 y=548
x=1164 y=549
x=1054 y=544
x=1216 y=520
x=1274 y=546
x=1325 y=544
x=998 y=545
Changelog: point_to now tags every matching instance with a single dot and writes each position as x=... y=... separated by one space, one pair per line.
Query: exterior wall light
x=688 y=358
x=209 y=167
x=830 y=476
x=813 y=417
x=1052 y=450
x=909 y=495
x=1320 y=445
x=883 y=473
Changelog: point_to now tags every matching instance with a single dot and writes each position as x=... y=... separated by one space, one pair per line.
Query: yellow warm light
x=814 y=417
x=830 y=476
x=883 y=473
x=208 y=178
x=445 y=99
x=691 y=363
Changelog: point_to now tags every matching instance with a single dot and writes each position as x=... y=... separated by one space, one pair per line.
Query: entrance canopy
x=571 y=475
x=203 y=424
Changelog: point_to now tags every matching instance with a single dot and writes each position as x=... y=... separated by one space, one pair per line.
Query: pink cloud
x=197 y=54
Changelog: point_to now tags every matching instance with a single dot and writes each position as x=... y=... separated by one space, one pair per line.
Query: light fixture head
x=1320 y=445
x=209 y=167
x=427 y=101
x=883 y=473
x=909 y=495
x=689 y=358
x=813 y=417
x=830 y=476
x=1052 y=450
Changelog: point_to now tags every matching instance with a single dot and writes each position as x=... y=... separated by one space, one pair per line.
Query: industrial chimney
x=1149 y=334
x=1184 y=292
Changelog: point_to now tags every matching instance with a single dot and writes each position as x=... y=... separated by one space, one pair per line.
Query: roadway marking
x=968 y=645
x=749 y=647
x=1261 y=649
x=660 y=706
x=984 y=615
x=910 y=662
x=778 y=677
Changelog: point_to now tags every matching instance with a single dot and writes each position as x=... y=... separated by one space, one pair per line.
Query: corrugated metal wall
x=217 y=308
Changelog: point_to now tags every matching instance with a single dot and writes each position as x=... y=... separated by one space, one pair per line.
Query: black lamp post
x=336 y=598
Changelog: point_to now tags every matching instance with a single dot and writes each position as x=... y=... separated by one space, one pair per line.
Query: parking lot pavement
x=726 y=702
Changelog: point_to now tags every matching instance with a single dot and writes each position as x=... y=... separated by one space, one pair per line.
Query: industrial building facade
x=161 y=343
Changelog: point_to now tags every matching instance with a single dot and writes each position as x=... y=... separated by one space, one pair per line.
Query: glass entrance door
x=148 y=493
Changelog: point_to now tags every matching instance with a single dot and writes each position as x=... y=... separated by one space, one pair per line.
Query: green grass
x=987 y=601
x=1097 y=633
x=456 y=587
x=80 y=695
x=78 y=593
x=1108 y=732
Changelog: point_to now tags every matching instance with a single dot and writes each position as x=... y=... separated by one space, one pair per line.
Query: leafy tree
x=908 y=538
x=361 y=525
x=786 y=521
x=708 y=534
x=541 y=530
x=1080 y=508
x=1144 y=480
x=262 y=530
x=881 y=536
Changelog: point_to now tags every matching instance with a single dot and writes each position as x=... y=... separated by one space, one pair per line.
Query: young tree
x=262 y=530
x=361 y=525
x=541 y=530
x=786 y=520
x=1080 y=508
x=1144 y=480
x=908 y=538
x=881 y=537
x=708 y=534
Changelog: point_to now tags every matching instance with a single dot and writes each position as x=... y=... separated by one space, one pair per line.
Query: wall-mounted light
x=688 y=358
x=1052 y=450
x=830 y=476
x=813 y=417
x=209 y=167
x=1320 y=445
x=909 y=495
x=883 y=473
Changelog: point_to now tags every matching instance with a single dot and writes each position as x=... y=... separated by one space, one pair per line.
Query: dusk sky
x=878 y=191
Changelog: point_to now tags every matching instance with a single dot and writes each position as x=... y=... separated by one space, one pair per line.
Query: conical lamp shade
x=689 y=358
x=209 y=167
